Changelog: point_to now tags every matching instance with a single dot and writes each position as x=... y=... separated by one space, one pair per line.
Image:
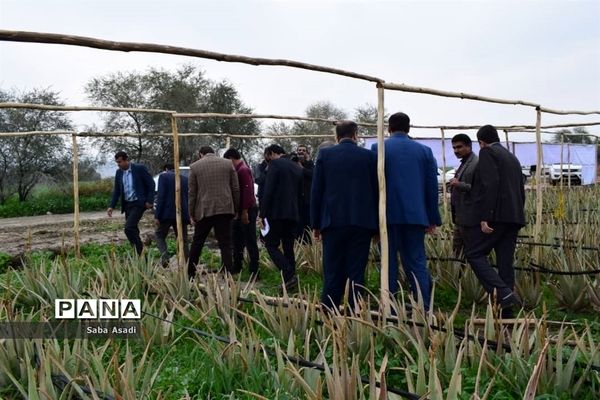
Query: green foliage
x=25 y=159
x=575 y=135
x=5 y=260
x=185 y=90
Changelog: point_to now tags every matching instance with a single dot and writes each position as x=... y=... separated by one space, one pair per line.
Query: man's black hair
x=274 y=148
x=399 y=122
x=346 y=129
x=204 y=150
x=463 y=138
x=121 y=154
x=168 y=167
x=232 y=153
x=488 y=134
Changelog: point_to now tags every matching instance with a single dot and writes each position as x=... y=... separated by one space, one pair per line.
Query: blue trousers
x=409 y=241
x=345 y=256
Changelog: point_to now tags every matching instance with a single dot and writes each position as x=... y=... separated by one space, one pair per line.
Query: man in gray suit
x=214 y=198
x=460 y=191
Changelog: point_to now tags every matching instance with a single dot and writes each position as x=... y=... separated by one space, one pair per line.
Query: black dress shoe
x=291 y=284
x=511 y=300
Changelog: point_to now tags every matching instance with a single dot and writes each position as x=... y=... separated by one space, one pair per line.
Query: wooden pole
x=76 y=197
x=538 y=186
x=569 y=112
x=72 y=40
x=562 y=146
x=460 y=95
x=506 y=139
x=51 y=107
x=444 y=189
x=569 y=164
x=180 y=243
x=383 y=234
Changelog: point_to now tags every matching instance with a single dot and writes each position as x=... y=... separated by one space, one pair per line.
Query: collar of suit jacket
x=400 y=134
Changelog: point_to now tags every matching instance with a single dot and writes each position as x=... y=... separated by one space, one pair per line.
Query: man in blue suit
x=343 y=213
x=412 y=205
x=165 y=211
x=134 y=187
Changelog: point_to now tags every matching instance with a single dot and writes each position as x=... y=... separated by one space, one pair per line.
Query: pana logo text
x=97 y=309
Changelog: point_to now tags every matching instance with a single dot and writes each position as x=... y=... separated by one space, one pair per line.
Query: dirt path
x=55 y=232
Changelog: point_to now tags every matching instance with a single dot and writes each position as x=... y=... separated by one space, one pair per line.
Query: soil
x=55 y=232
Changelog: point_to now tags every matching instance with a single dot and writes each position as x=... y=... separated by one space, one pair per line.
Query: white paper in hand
x=265 y=229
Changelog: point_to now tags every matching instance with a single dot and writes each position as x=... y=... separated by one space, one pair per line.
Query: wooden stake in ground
x=179 y=221
x=76 y=196
x=383 y=235
x=538 y=187
x=444 y=189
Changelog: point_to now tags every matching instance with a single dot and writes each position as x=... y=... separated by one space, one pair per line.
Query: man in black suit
x=308 y=167
x=463 y=214
x=499 y=203
x=344 y=213
x=279 y=205
x=165 y=211
x=134 y=187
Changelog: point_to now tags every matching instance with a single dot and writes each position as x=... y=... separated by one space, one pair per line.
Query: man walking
x=344 y=213
x=279 y=205
x=461 y=201
x=244 y=224
x=134 y=188
x=412 y=206
x=499 y=195
x=307 y=175
x=214 y=196
x=165 y=211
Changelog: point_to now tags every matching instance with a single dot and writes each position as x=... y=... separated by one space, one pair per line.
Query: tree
x=577 y=135
x=323 y=109
x=367 y=114
x=184 y=90
x=25 y=159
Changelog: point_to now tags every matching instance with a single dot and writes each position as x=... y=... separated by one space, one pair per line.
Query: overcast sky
x=541 y=51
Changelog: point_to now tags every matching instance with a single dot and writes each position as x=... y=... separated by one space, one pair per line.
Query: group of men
x=338 y=198
x=219 y=195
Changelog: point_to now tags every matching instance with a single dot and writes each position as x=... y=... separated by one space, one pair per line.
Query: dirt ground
x=55 y=232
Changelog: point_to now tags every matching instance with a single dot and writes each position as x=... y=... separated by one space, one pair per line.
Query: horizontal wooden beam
x=72 y=40
x=48 y=107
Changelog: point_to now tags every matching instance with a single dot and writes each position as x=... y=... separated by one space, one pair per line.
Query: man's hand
x=261 y=223
x=244 y=216
x=431 y=229
x=453 y=182
x=156 y=222
x=485 y=228
x=317 y=234
x=148 y=206
x=192 y=222
x=109 y=212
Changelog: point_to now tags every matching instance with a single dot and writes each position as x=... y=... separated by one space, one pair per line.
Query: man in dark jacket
x=499 y=196
x=463 y=213
x=344 y=213
x=134 y=187
x=165 y=211
x=279 y=205
x=308 y=167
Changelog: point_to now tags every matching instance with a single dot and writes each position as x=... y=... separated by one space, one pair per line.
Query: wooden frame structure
x=381 y=85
